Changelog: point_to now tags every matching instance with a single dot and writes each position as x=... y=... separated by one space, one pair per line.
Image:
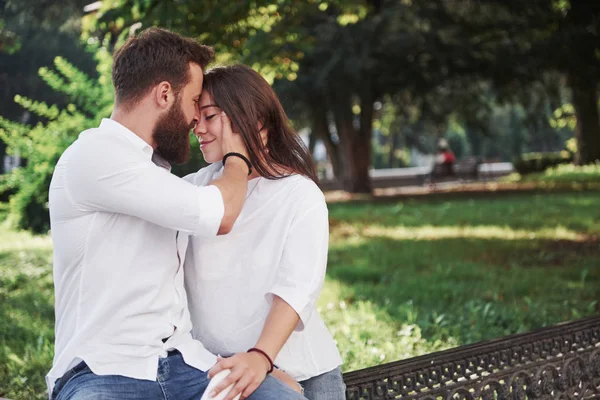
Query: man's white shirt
x=115 y=217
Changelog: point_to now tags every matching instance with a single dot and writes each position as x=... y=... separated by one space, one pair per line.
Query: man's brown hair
x=154 y=56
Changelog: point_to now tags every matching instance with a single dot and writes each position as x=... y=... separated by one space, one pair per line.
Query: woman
x=256 y=287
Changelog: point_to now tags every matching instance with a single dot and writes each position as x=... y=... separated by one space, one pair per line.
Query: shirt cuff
x=211 y=210
x=296 y=298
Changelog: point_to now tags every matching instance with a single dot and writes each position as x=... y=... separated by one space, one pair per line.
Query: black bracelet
x=240 y=156
x=266 y=356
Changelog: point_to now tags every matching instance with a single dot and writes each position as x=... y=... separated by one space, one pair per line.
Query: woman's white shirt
x=278 y=246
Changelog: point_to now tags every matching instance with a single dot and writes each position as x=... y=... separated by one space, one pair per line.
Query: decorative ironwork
x=559 y=362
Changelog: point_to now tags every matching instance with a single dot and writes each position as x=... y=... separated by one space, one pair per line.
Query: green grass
x=26 y=314
x=587 y=176
x=404 y=279
x=464 y=270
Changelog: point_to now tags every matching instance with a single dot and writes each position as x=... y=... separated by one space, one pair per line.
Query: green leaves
x=9 y=41
x=42 y=144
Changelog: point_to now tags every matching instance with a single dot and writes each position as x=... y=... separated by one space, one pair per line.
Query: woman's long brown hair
x=248 y=100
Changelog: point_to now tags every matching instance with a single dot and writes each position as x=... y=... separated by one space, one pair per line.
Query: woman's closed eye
x=209 y=117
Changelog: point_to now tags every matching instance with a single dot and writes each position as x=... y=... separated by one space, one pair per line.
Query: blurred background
x=457 y=141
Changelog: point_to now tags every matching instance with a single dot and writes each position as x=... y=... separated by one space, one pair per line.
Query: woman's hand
x=287 y=379
x=248 y=370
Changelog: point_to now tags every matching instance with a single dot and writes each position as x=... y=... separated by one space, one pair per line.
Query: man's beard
x=172 y=135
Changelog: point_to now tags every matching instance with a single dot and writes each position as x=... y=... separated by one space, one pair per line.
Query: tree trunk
x=312 y=142
x=394 y=141
x=587 y=132
x=360 y=181
x=346 y=133
x=355 y=145
x=362 y=145
x=321 y=131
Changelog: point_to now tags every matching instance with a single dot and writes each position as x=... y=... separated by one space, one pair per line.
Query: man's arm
x=102 y=175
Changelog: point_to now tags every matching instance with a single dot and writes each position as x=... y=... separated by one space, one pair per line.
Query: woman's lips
x=206 y=143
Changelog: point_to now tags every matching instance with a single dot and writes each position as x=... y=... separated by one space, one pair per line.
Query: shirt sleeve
x=121 y=182
x=301 y=272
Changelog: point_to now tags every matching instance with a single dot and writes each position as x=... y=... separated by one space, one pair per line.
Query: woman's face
x=209 y=129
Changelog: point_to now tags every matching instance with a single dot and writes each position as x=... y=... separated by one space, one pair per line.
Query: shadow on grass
x=479 y=191
x=576 y=211
x=471 y=289
x=461 y=271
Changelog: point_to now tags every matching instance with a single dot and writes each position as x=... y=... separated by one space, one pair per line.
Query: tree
x=532 y=37
x=575 y=50
x=340 y=57
x=32 y=34
x=334 y=60
x=43 y=143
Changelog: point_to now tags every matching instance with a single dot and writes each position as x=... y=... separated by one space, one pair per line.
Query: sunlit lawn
x=459 y=271
x=562 y=176
x=405 y=278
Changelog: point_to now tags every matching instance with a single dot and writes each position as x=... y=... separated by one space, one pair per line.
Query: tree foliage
x=32 y=34
x=462 y=69
x=43 y=143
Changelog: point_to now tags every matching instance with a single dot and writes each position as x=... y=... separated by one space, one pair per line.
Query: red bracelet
x=266 y=356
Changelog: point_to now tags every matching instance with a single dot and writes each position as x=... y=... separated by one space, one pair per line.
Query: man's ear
x=163 y=95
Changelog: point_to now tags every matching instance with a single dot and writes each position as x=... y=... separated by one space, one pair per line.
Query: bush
x=42 y=145
x=539 y=162
x=24 y=191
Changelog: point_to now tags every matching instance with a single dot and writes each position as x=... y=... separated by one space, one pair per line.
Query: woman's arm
x=292 y=296
x=280 y=324
x=250 y=369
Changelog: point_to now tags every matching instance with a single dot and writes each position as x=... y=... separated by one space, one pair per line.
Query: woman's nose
x=200 y=127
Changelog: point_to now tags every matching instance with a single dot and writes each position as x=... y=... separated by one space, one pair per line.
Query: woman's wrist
x=265 y=356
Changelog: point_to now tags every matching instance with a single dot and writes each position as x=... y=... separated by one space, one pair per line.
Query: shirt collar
x=161 y=162
x=114 y=126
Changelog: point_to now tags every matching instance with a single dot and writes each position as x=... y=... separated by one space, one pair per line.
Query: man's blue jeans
x=176 y=381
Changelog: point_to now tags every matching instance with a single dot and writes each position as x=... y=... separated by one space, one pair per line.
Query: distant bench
x=559 y=362
x=466 y=168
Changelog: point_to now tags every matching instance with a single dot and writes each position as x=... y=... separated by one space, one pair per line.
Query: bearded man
x=123 y=330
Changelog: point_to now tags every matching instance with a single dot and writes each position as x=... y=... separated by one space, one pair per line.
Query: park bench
x=559 y=362
x=465 y=168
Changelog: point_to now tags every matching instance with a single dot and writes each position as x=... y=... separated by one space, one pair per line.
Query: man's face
x=172 y=131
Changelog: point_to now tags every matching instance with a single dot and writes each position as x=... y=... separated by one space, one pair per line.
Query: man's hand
x=230 y=141
x=248 y=370
x=233 y=184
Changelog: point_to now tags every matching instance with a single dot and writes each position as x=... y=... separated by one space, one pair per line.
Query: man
x=122 y=324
